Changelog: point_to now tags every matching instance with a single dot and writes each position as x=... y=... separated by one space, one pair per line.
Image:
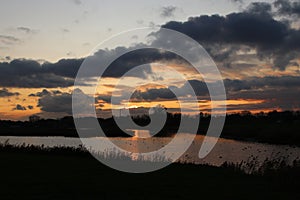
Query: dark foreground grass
x=66 y=173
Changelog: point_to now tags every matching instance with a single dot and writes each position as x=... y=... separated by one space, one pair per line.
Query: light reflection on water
x=225 y=150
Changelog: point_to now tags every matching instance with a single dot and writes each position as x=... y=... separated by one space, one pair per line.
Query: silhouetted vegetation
x=31 y=172
x=78 y=151
x=276 y=169
x=273 y=127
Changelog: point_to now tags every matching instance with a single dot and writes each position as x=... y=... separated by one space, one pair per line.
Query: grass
x=29 y=172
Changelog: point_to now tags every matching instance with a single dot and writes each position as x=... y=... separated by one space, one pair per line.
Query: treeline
x=272 y=127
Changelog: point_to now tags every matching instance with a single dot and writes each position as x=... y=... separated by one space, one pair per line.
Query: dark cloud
x=260 y=8
x=56 y=92
x=168 y=11
x=105 y=98
x=153 y=94
x=56 y=103
x=64 y=67
x=136 y=58
x=62 y=102
x=45 y=92
x=5 y=93
x=255 y=27
x=241 y=28
x=284 y=60
x=236 y=89
x=116 y=69
x=129 y=59
x=236 y=85
x=40 y=94
x=19 y=107
x=287 y=82
x=199 y=88
x=286 y=7
x=30 y=74
x=272 y=99
x=275 y=91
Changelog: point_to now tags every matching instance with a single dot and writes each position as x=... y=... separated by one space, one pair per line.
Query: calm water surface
x=225 y=150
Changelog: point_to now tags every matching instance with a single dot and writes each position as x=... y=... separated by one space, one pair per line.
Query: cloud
x=19 y=107
x=5 y=93
x=26 y=30
x=9 y=40
x=160 y=94
x=286 y=7
x=64 y=67
x=257 y=93
x=237 y=1
x=235 y=87
x=56 y=103
x=45 y=92
x=40 y=94
x=62 y=102
x=104 y=98
x=116 y=69
x=153 y=94
x=272 y=99
x=31 y=74
x=132 y=59
x=274 y=91
x=260 y=8
x=287 y=82
x=241 y=28
x=168 y=11
x=255 y=27
x=77 y=2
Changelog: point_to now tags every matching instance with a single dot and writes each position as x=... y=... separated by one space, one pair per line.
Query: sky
x=255 y=46
x=51 y=30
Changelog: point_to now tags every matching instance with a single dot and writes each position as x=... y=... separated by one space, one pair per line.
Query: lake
x=225 y=150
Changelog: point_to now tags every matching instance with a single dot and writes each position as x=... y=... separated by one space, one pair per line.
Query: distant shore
x=273 y=127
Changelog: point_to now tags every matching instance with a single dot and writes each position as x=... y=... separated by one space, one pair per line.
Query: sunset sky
x=255 y=45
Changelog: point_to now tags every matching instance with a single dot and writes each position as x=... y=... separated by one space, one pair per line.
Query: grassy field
x=38 y=174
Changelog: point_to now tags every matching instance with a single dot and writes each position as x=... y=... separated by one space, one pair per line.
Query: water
x=225 y=150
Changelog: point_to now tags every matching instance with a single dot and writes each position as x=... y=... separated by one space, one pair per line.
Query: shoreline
x=67 y=173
